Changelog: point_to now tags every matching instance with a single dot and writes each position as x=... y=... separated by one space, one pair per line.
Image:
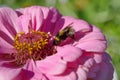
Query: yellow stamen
x=29 y=45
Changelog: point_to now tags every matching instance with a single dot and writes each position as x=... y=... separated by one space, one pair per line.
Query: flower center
x=34 y=45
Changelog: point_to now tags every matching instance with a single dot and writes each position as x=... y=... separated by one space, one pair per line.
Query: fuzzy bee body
x=64 y=34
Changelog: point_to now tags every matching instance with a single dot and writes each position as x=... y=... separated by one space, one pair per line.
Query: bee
x=64 y=34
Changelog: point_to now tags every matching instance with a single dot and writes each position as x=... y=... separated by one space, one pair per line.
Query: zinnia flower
x=38 y=43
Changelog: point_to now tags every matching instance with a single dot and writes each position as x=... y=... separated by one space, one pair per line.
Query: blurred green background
x=103 y=13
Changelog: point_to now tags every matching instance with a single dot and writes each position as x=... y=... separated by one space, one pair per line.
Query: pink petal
x=8 y=29
x=30 y=72
x=6 y=50
x=70 y=76
x=82 y=74
x=8 y=73
x=92 y=41
x=23 y=11
x=93 y=36
x=89 y=63
x=93 y=70
x=98 y=57
x=52 y=65
x=24 y=75
x=49 y=23
x=5 y=39
x=105 y=73
x=31 y=68
x=5 y=47
x=24 y=22
x=36 y=15
x=92 y=45
x=30 y=65
x=69 y=53
x=5 y=57
x=43 y=18
x=20 y=11
x=57 y=63
x=106 y=57
x=9 y=22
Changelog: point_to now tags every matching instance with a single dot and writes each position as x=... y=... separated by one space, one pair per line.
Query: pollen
x=33 y=45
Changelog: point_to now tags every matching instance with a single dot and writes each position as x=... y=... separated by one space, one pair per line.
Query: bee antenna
x=70 y=24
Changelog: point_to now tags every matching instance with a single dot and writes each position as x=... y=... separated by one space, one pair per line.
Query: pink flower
x=38 y=43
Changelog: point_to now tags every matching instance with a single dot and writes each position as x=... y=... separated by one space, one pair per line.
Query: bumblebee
x=63 y=35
